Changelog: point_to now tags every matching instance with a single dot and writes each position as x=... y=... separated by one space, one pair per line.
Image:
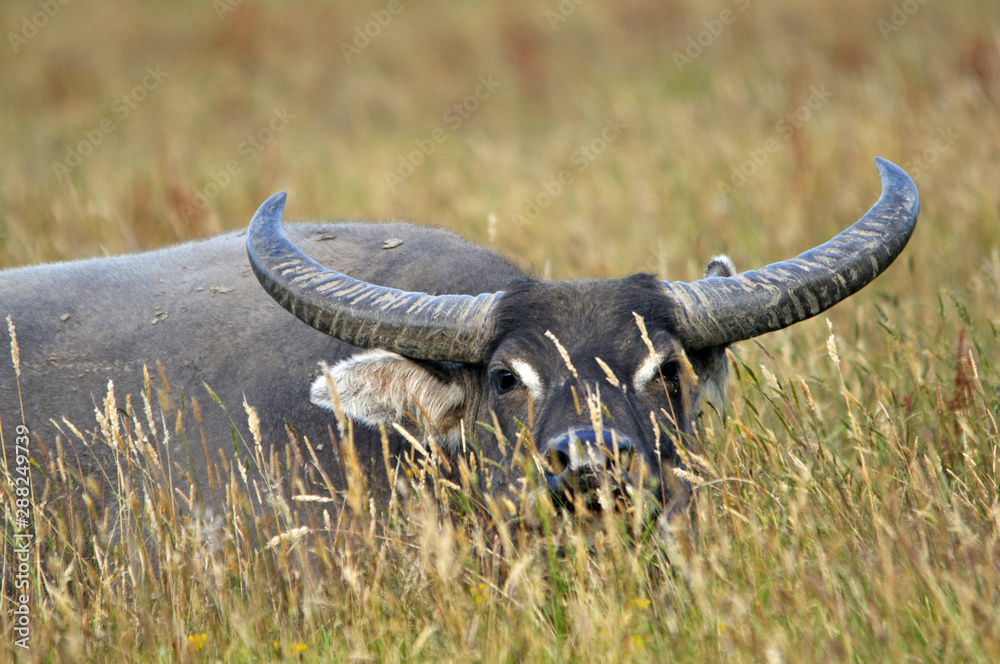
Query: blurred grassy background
x=649 y=202
x=917 y=83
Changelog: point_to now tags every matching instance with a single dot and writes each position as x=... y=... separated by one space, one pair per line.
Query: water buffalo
x=420 y=329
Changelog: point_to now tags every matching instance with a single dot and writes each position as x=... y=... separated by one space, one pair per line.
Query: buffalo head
x=605 y=375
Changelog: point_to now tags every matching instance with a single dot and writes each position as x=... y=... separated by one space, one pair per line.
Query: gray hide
x=198 y=309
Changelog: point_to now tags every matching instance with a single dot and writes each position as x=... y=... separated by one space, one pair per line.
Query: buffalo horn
x=455 y=328
x=721 y=310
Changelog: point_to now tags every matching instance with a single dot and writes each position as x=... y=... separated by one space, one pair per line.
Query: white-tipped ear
x=378 y=387
x=720 y=266
x=712 y=365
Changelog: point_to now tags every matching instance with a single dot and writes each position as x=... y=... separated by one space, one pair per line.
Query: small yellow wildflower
x=297 y=648
x=197 y=641
x=637 y=641
x=640 y=603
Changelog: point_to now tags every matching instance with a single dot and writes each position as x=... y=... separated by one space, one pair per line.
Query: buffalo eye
x=670 y=372
x=504 y=381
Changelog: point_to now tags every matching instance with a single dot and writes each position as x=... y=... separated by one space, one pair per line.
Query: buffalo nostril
x=618 y=452
x=625 y=455
x=582 y=461
x=586 y=452
x=559 y=459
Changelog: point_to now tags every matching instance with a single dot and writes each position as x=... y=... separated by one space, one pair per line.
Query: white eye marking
x=527 y=375
x=647 y=371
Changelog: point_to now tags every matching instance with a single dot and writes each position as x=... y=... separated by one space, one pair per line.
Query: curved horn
x=719 y=311
x=453 y=328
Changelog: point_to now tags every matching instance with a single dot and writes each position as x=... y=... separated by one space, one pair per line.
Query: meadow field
x=848 y=508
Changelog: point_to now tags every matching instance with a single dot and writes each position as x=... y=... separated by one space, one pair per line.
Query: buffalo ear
x=720 y=266
x=378 y=387
x=712 y=364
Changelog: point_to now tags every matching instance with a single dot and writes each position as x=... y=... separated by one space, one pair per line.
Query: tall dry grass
x=848 y=509
x=843 y=515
